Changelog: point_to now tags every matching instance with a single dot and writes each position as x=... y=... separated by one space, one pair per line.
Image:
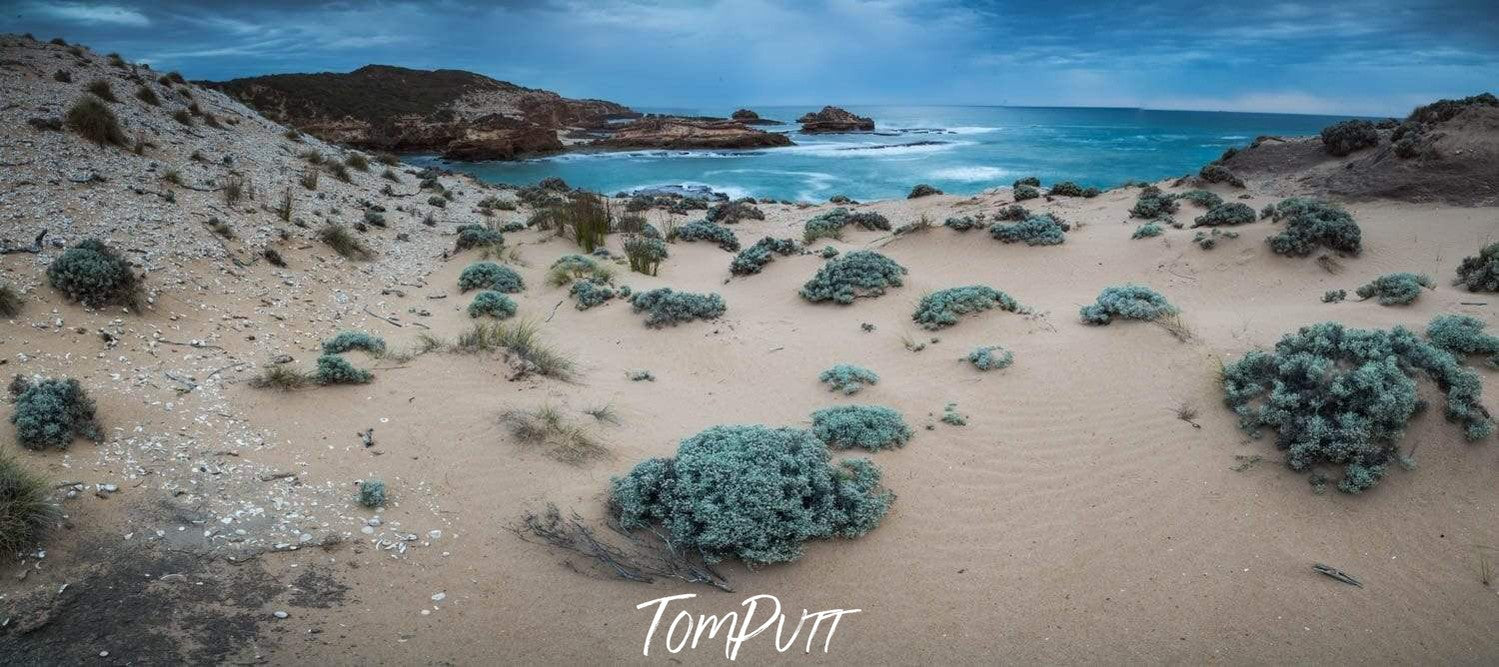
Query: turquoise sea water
x=961 y=150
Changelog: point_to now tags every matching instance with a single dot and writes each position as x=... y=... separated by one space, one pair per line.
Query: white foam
x=969 y=173
x=972 y=130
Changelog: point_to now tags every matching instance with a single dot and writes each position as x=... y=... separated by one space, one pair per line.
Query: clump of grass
x=26 y=513
x=357 y=161
x=62 y=76
x=182 y=116
x=10 y=301
x=521 y=338
x=390 y=176
x=146 y=94
x=339 y=171
x=342 y=242
x=234 y=189
x=603 y=413
x=95 y=122
x=547 y=427
x=645 y=254
x=371 y=493
x=387 y=159
x=220 y=227
x=309 y=179
x=281 y=376
x=100 y=89
x=283 y=210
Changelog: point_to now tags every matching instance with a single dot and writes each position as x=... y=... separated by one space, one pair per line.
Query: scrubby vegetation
x=831 y=224
x=1217 y=173
x=10 y=301
x=941 y=308
x=1036 y=230
x=520 y=338
x=1031 y=181
x=1147 y=230
x=861 y=273
x=52 y=412
x=1134 y=302
x=1025 y=191
x=92 y=120
x=1480 y=273
x=1232 y=213
x=1152 y=204
x=490 y=276
x=548 y=428
x=1201 y=198
x=26 y=513
x=1311 y=223
x=1069 y=189
x=1334 y=295
x=354 y=340
x=964 y=223
x=848 y=378
x=1463 y=335
x=338 y=238
x=333 y=369
x=1342 y=397
x=490 y=303
x=752 y=259
x=663 y=306
x=752 y=493
x=371 y=493
x=569 y=268
x=645 y=253
x=702 y=230
x=729 y=213
x=1396 y=289
x=1348 y=136
x=95 y=275
x=923 y=190
x=478 y=236
x=991 y=357
x=868 y=427
x=588 y=294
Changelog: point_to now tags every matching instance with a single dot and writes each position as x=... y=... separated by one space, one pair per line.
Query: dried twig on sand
x=645 y=556
x=1335 y=573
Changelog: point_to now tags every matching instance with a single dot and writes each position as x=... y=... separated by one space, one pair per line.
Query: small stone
x=280 y=614
x=439 y=597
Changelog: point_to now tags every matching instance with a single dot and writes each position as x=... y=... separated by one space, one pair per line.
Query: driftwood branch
x=387 y=320
x=648 y=556
x=34 y=248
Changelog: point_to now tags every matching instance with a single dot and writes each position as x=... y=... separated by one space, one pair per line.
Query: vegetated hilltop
x=1446 y=151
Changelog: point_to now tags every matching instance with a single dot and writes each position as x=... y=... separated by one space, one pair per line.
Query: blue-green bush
x=991 y=357
x=490 y=276
x=645 y=253
x=1311 y=223
x=1463 y=335
x=1348 y=136
x=848 y=378
x=354 y=340
x=478 y=236
x=666 y=307
x=750 y=492
x=1028 y=180
x=1040 y=229
x=51 y=412
x=1480 y=273
x=702 y=230
x=923 y=190
x=1152 y=204
x=861 y=273
x=372 y=493
x=1203 y=198
x=1066 y=189
x=828 y=252
x=589 y=294
x=752 y=259
x=1147 y=230
x=1396 y=289
x=1024 y=191
x=962 y=224
x=1339 y=396
x=869 y=427
x=1334 y=295
x=492 y=304
x=333 y=369
x=1012 y=213
x=1232 y=213
x=1217 y=173
x=941 y=308
x=729 y=213
x=95 y=275
x=831 y=224
x=1134 y=302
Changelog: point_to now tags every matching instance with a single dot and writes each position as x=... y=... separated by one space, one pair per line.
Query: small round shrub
x=729 y=213
x=923 y=190
x=702 y=230
x=1028 y=180
x=478 y=236
x=1463 y=335
x=861 y=273
x=752 y=259
x=1480 y=273
x=1232 y=213
x=333 y=369
x=589 y=294
x=1152 y=204
x=1396 y=289
x=941 y=308
x=1201 y=198
x=93 y=120
x=1134 y=302
x=868 y=427
x=666 y=307
x=1348 y=136
x=51 y=412
x=1334 y=295
x=991 y=357
x=962 y=224
x=752 y=493
x=1024 y=192
x=1012 y=213
x=848 y=378
x=490 y=276
x=95 y=275
x=1066 y=189
x=372 y=493
x=492 y=304
x=1311 y=223
x=1036 y=230
x=1217 y=173
x=1147 y=230
x=354 y=340
x=645 y=252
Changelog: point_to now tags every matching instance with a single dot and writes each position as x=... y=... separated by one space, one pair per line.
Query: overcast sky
x=1375 y=58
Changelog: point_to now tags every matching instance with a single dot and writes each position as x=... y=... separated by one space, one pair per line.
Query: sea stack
x=833 y=119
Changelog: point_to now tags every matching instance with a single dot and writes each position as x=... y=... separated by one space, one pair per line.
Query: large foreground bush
x=750 y=492
x=1463 y=335
x=941 y=308
x=861 y=273
x=1311 y=223
x=95 y=275
x=51 y=412
x=1342 y=397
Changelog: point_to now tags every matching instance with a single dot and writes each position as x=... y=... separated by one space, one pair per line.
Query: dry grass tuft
x=547 y=427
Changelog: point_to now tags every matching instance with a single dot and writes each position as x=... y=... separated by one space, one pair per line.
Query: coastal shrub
x=991 y=357
x=26 y=512
x=941 y=308
x=666 y=307
x=702 y=230
x=861 y=273
x=10 y=301
x=478 y=236
x=923 y=190
x=490 y=276
x=1201 y=198
x=1342 y=397
x=51 y=412
x=1036 y=230
x=588 y=216
x=868 y=220
x=831 y=224
x=1152 y=203
x=522 y=339
x=1396 y=289
x=95 y=275
x=962 y=224
x=1311 y=223
x=589 y=294
x=1147 y=230
x=338 y=238
x=333 y=369
x=848 y=378
x=437 y=201
x=492 y=304
x=752 y=259
x=100 y=89
x=572 y=267
x=1340 y=139
x=357 y=161
x=1217 y=173
x=148 y=95
x=1480 y=273
x=952 y=417
x=1031 y=181
x=372 y=493
x=1334 y=295
x=354 y=340
x=1066 y=189
x=62 y=76
x=1232 y=213
x=729 y=213
x=828 y=252
x=1012 y=213
x=1024 y=192
x=1463 y=335
x=1134 y=302
x=868 y=427
x=752 y=493
x=645 y=253
x=92 y=120
x=1444 y=110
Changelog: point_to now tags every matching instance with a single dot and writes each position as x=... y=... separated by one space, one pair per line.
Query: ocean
x=958 y=149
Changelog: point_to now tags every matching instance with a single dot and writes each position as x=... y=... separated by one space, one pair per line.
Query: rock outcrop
x=675 y=132
x=749 y=117
x=833 y=119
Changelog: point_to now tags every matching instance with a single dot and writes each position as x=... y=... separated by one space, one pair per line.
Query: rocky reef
x=683 y=133
x=834 y=119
